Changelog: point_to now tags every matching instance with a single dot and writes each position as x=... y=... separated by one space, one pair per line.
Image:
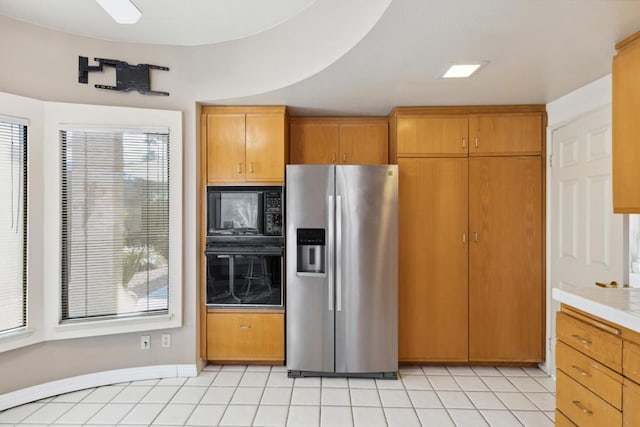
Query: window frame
x=59 y=117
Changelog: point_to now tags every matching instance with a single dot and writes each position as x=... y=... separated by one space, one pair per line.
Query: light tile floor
x=233 y=395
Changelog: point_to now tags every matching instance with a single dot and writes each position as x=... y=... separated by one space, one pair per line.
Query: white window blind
x=115 y=223
x=13 y=225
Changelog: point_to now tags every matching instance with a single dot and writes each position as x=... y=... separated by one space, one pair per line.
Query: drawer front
x=631 y=361
x=593 y=375
x=631 y=402
x=245 y=337
x=562 y=421
x=583 y=407
x=603 y=346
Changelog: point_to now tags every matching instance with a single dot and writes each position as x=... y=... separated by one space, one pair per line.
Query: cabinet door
x=364 y=144
x=432 y=135
x=265 y=145
x=630 y=404
x=314 y=143
x=433 y=267
x=245 y=337
x=225 y=148
x=505 y=134
x=626 y=128
x=505 y=259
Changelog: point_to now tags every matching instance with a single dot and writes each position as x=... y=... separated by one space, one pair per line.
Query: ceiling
x=538 y=50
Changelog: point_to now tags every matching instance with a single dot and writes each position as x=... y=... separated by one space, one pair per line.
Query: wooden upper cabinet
x=505 y=259
x=314 y=143
x=505 y=134
x=245 y=144
x=626 y=126
x=225 y=148
x=265 y=148
x=432 y=135
x=339 y=140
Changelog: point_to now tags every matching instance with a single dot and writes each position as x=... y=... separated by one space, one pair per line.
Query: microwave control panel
x=272 y=213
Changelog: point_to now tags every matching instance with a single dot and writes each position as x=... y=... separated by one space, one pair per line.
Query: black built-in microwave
x=244 y=214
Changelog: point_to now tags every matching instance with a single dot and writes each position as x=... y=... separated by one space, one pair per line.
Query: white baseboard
x=81 y=382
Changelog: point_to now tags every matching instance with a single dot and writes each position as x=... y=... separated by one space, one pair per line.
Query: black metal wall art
x=128 y=77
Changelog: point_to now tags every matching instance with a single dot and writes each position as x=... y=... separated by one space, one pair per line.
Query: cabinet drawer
x=583 y=407
x=603 y=346
x=562 y=421
x=631 y=361
x=245 y=337
x=591 y=374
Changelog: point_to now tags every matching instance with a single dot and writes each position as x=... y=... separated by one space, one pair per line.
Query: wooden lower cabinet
x=582 y=406
x=433 y=276
x=506 y=293
x=631 y=403
x=245 y=336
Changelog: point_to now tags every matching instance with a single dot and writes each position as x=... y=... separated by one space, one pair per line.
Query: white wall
x=560 y=112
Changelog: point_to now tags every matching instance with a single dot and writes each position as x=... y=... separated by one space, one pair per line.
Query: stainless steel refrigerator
x=342 y=270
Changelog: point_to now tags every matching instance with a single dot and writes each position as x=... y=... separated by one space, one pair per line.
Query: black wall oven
x=245 y=247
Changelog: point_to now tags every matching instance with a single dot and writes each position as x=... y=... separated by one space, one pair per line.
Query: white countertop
x=620 y=306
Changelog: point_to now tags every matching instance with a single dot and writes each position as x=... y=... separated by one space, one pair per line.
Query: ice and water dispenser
x=311 y=251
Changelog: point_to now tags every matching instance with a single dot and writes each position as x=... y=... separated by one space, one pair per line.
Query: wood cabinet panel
x=225 y=148
x=505 y=259
x=600 y=345
x=314 y=143
x=432 y=135
x=265 y=147
x=631 y=404
x=433 y=273
x=593 y=375
x=626 y=128
x=562 y=420
x=364 y=143
x=631 y=360
x=245 y=336
x=583 y=407
x=505 y=134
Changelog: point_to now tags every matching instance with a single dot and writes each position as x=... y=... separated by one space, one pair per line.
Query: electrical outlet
x=166 y=340
x=145 y=342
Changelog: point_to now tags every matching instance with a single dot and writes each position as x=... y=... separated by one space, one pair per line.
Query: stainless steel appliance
x=342 y=270
x=245 y=247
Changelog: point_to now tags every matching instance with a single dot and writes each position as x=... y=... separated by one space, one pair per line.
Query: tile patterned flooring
x=234 y=395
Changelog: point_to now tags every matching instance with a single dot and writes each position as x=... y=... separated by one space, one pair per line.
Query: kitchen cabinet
x=626 y=126
x=346 y=140
x=245 y=336
x=433 y=269
x=245 y=144
x=596 y=368
x=505 y=259
x=471 y=277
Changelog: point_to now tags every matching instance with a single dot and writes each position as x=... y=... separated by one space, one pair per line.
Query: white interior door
x=586 y=237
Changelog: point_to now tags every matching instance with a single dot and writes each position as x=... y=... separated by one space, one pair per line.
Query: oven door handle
x=266 y=251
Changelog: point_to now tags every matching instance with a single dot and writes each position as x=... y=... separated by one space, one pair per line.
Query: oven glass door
x=244 y=279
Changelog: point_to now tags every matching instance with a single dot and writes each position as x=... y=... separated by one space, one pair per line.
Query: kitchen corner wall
x=43 y=64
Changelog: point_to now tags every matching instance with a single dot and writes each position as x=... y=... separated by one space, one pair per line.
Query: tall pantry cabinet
x=471 y=233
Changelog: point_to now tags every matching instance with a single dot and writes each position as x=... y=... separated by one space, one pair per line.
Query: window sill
x=17 y=338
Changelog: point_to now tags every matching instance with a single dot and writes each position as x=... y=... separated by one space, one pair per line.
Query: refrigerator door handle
x=339 y=253
x=330 y=263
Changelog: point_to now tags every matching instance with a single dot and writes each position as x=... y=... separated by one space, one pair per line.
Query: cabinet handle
x=251 y=167
x=582 y=340
x=475 y=236
x=582 y=408
x=239 y=167
x=344 y=157
x=333 y=157
x=464 y=237
x=580 y=371
x=476 y=141
x=245 y=327
x=464 y=143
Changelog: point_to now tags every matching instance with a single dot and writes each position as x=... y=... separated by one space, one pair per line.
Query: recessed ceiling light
x=122 y=11
x=457 y=71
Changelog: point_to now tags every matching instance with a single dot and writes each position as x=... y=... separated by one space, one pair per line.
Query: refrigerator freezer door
x=367 y=283
x=310 y=297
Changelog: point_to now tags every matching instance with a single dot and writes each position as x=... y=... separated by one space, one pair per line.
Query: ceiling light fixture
x=122 y=11
x=457 y=71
